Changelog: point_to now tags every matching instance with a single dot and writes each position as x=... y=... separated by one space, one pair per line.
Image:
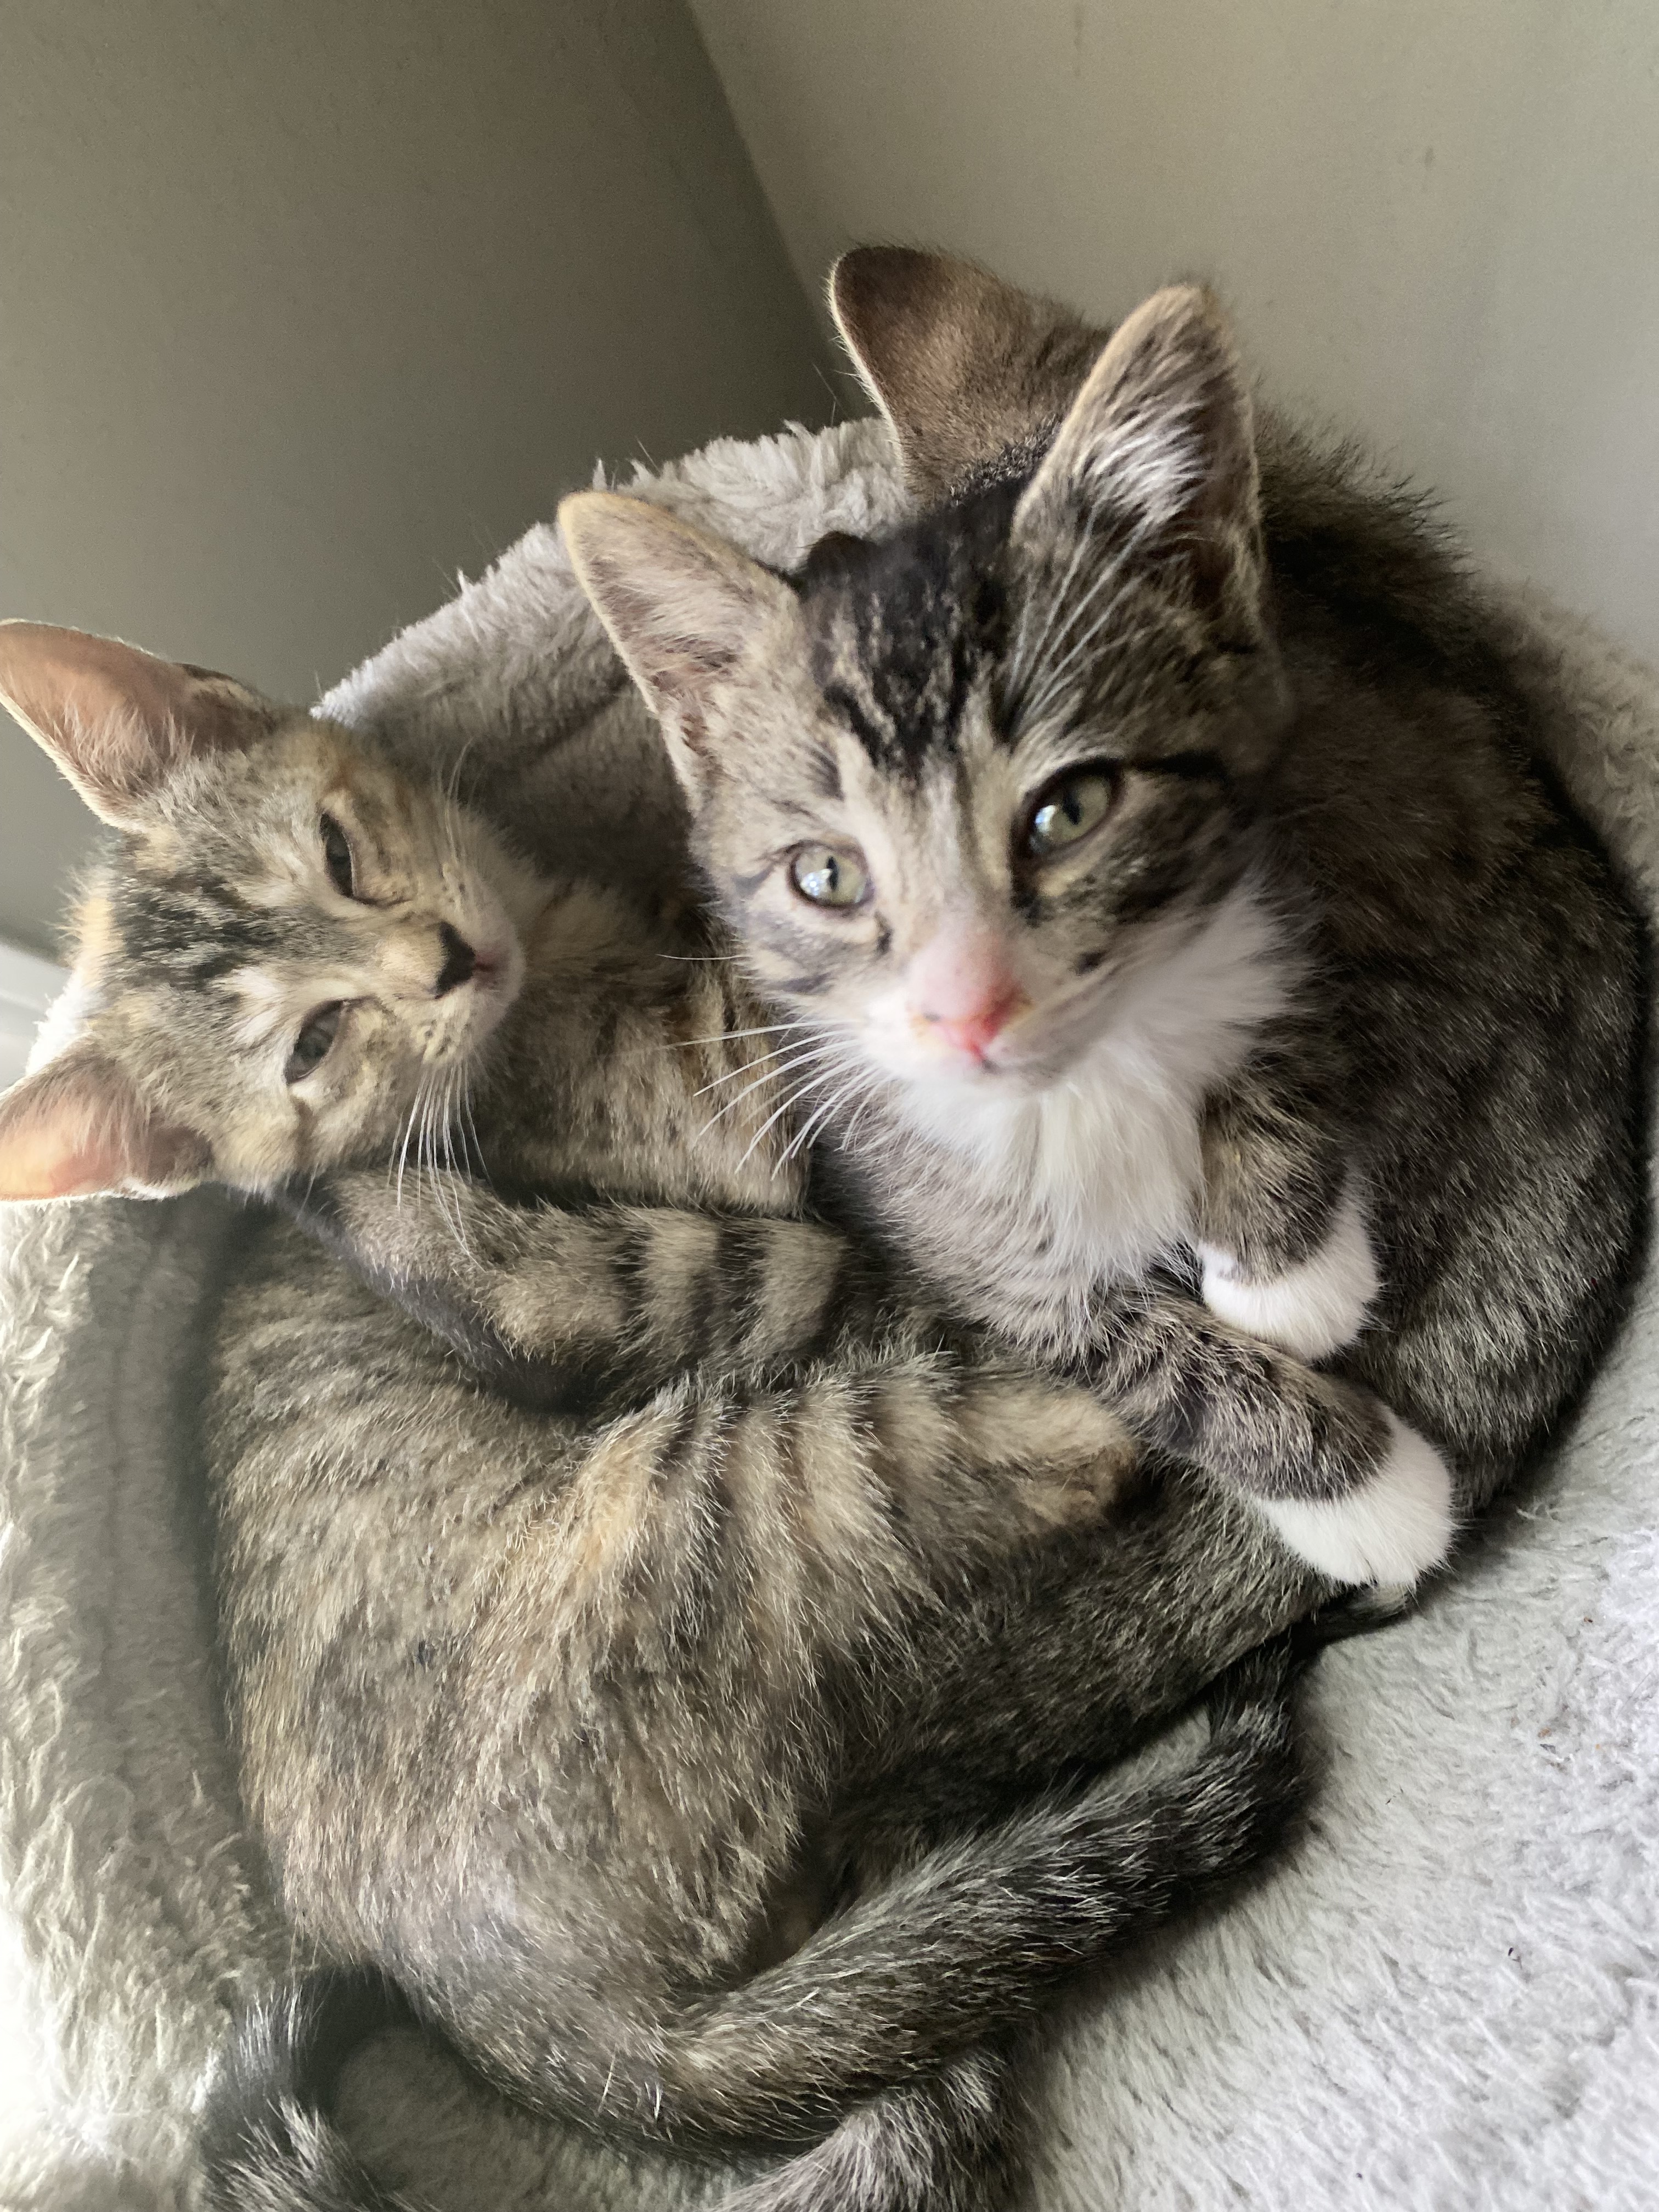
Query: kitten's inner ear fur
x=1159 y=447
x=118 y=721
x=681 y=606
x=962 y=365
x=78 y=1126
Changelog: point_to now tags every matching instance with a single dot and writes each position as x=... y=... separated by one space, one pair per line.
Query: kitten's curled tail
x=876 y=2043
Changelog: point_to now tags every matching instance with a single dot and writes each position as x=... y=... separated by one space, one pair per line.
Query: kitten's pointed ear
x=118 y=721
x=681 y=606
x=962 y=365
x=76 y=1127
x=1157 y=454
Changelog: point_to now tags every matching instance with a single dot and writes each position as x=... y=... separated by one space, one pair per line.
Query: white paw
x=1311 y=1311
x=1394 y=1528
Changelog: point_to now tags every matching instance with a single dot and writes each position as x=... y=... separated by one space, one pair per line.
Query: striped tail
x=873 y=2043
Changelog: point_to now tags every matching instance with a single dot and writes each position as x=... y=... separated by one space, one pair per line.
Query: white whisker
x=772 y=1063
x=793 y=1098
x=809 y=1061
x=472 y=1126
x=409 y=1131
x=459 y=762
x=822 y=1115
x=438 y=1130
x=721 y=1036
x=872 y=1097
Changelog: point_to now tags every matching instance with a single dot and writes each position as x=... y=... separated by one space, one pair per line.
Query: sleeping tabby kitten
x=576 y=1704
x=1185 y=955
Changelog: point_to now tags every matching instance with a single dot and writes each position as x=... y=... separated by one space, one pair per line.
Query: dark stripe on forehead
x=823 y=772
x=904 y=630
x=202 y=928
x=843 y=702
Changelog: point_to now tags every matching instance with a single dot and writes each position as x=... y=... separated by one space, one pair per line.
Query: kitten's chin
x=916 y=1067
x=951 y=1097
x=1035 y=1053
x=1017 y=1070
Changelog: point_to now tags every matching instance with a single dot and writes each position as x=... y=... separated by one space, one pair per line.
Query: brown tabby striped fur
x=615 y=1712
x=1293 y=1103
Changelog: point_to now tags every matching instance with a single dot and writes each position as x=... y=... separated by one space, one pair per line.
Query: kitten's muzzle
x=972 y=1034
x=962 y=991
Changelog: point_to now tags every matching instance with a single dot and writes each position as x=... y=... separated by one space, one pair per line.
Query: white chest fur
x=1098 y=1175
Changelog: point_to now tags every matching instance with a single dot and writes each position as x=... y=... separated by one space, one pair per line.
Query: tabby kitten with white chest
x=589 y=1706
x=1192 y=964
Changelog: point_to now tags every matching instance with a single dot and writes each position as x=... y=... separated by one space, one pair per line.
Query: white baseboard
x=28 y=986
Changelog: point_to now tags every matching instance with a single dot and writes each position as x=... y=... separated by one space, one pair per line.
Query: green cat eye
x=1069 y=808
x=312 y=1047
x=337 y=857
x=828 y=878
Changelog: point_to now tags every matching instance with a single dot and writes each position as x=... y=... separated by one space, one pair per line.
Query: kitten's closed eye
x=315 y=1041
x=337 y=857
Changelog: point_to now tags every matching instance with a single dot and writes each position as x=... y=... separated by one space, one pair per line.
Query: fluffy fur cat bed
x=1448 y=1993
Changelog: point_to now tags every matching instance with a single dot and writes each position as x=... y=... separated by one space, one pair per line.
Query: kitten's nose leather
x=962 y=988
x=974 y=1034
x=460 y=961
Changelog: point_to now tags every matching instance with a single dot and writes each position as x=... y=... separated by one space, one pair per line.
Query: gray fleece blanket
x=1446 y=1994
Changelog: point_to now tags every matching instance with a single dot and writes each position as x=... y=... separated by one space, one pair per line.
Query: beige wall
x=304 y=305
x=1438 y=219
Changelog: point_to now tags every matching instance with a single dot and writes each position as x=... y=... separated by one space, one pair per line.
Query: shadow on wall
x=316 y=305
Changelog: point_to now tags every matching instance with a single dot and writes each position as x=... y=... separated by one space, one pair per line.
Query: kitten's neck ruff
x=1107 y=1160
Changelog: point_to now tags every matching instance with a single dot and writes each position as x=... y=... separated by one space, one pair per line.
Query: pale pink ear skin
x=118 y=721
x=76 y=1128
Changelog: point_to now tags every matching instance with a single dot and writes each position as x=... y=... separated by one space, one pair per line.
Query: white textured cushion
x=1447 y=1994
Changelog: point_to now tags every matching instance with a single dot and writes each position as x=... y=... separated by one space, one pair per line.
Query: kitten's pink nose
x=976 y=1032
x=963 y=987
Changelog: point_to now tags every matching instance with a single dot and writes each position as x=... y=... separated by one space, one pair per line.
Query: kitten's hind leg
x=936 y=2145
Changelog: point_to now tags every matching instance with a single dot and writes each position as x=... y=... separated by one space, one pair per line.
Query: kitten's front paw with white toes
x=1312 y=1310
x=1390 y=1529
